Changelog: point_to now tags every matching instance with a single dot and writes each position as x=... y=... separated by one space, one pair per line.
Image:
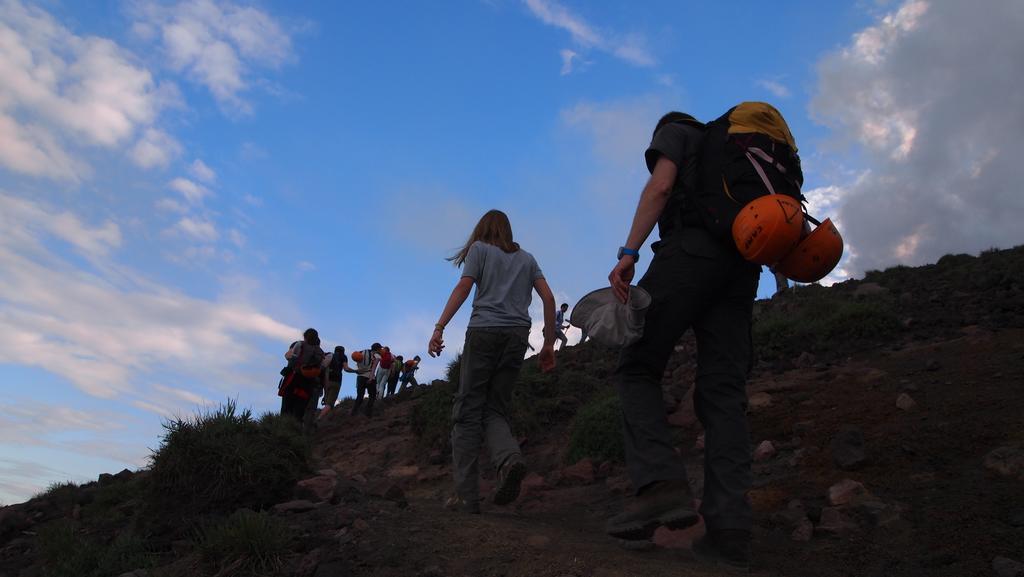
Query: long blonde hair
x=493 y=228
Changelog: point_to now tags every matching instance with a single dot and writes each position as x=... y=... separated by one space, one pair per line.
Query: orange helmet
x=815 y=255
x=768 y=227
x=357 y=356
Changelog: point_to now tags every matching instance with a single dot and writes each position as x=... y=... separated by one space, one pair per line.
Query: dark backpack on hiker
x=747 y=152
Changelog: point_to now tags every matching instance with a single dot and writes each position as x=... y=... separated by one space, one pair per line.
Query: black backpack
x=746 y=153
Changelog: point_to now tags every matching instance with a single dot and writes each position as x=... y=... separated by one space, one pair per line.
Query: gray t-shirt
x=504 y=285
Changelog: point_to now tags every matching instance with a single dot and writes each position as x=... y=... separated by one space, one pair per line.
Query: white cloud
x=929 y=93
x=202 y=172
x=631 y=48
x=216 y=44
x=198 y=228
x=155 y=149
x=171 y=205
x=114 y=331
x=567 y=58
x=620 y=130
x=193 y=193
x=61 y=90
x=236 y=237
x=305 y=266
x=23 y=220
x=775 y=87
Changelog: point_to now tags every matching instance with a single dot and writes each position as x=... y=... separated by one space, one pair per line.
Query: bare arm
x=652 y=203
x=347 y=369
x=546 y=357
x=459 y=295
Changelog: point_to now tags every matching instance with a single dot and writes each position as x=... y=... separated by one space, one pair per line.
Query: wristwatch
x=624 y=251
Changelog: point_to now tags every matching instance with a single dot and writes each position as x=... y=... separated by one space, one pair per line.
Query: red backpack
x=386 y=358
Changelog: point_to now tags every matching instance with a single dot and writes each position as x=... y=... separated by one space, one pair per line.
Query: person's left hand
x=436 y=344
x=546 y=358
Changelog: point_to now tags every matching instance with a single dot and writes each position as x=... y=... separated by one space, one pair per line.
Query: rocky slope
x=887 y=420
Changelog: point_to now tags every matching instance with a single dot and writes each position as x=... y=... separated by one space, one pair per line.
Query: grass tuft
x=246 y=543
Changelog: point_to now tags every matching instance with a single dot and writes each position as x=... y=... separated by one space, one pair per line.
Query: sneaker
x=456 y=503
x=728 y=548
x=664 y=503
x=510 y=476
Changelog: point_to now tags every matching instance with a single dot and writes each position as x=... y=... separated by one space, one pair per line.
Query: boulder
x=582 y=473
x=905 y=402
x=846 y=492
x=834 y=522
x=403 y=472
x=764 y=451
x=759 y=402
x=1006 y=567
x=803 y=531
x=1006 y=462
x=316 y=489
x=534 y=483
x=124 y=475
x=848 y=448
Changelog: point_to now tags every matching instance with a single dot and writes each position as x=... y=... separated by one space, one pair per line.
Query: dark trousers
x=392 y=383
x=491 y=359
x=712 y=292
x=363 y=387
x=294 y=406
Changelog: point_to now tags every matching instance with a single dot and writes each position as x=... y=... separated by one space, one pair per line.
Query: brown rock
x=359 y=479
x=834 y=522
x=803 y=531
x=1006 y=567
x=619 y=485
x=764 y=451
x=327 y=473
x=395 y=494
x=678 y=539
x=582 y=473
x=538 y=541
x=759 y=401
x=905 y=402
x=846 y=492
x=534 y=483
x=316 y=489
x=877 y=513
x=360 y=525
x=1006 y=462
x=403 y=472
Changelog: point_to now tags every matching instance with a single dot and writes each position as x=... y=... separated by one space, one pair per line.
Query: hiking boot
x=667 y=503
x=456 y=503
x=510 y=476
x=728 y=548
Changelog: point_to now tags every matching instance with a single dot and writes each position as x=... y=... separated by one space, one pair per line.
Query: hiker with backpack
x=496 y=339
x=387 y=360
x=701 y=176
x=396 y=372
x=560 y=325
x=302 y=380
x=337 y=366
x=366 y=385
x=409 y=373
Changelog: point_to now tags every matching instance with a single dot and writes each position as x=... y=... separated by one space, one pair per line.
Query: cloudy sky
x=185 y=186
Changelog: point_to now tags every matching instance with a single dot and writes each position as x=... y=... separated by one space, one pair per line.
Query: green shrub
x=597 y=431
x=65 y=552
x=222 y=460
x=246 y=543
x=63 y=495
x=453 y=372
x=820 y=321
x=431 y=419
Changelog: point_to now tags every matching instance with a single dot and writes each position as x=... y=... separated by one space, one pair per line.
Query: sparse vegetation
x=246 y=543
x=67 y=552
x=597 y=431
x=224 y=459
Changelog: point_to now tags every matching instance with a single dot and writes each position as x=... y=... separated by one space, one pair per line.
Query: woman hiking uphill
x=496 y=341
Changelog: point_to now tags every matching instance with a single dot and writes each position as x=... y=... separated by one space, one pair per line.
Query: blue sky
x=185 y=186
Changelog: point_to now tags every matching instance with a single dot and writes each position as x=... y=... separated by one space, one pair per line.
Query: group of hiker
x=725 y=197
x=312 y=375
